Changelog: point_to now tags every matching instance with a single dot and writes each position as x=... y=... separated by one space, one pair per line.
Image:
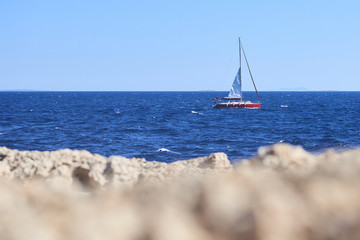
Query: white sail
x=235 y=89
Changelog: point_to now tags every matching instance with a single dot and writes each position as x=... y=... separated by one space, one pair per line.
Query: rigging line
x=252 y=79
x=228 y=65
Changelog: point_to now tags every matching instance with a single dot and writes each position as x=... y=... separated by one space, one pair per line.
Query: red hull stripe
x=236 y=105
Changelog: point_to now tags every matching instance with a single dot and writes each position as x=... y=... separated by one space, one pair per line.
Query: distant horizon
x=21 y=90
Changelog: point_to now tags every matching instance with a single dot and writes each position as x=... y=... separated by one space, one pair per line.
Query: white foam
x=134 y=128
x=194 y=112
x=284 y=106
x=166 y=150
x=163 y=150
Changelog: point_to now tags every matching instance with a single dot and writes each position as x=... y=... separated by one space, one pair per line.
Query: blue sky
x=178 y=45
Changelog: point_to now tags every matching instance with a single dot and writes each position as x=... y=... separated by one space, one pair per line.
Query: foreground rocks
x=281 y=193
x=91 y=170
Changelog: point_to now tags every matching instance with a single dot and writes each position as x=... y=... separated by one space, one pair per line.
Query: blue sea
x=169 y=126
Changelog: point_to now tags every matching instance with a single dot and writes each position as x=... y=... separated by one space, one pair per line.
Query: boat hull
x=238 y=105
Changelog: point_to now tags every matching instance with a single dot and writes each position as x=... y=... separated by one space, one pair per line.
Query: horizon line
x=20 y=90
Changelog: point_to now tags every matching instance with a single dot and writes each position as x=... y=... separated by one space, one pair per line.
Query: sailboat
x=235 y=97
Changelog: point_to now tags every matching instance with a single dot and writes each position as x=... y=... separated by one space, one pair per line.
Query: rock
x=285 y=156
x=215 y=161
x=123 y=172
x=281 y=193
x=95 y=170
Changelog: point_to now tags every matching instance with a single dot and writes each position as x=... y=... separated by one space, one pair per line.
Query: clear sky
x=178 y=45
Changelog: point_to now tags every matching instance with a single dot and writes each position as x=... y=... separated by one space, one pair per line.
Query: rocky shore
x=281 y=193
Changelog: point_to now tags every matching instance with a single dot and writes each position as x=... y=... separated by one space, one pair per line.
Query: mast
x=240 y=70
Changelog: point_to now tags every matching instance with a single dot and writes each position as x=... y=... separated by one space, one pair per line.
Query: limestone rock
x=94 y=170
x=123 y=171
x=78 y=195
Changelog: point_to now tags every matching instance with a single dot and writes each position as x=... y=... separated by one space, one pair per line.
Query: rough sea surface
x=169 y=126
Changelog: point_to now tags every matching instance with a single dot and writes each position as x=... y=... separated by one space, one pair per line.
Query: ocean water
x=169 y=126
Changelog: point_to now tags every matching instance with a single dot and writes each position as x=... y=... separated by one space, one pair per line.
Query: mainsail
x=235 y=88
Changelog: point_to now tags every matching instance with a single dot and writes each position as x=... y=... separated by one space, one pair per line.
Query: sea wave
x=194 y=112
x=166 y=150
